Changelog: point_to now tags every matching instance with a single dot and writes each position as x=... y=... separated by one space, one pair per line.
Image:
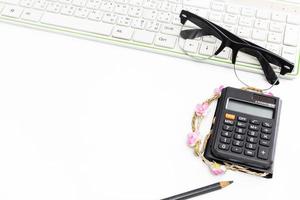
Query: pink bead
x=269 y=94
x=218 y=90
x=192 y=139
x=201 y=109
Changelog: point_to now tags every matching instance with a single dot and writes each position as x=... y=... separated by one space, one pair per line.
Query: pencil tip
x=225 y=183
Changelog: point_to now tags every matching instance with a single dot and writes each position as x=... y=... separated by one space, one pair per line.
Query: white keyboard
x=154 y=24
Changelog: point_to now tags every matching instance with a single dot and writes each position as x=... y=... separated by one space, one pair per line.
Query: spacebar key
x=77 y=23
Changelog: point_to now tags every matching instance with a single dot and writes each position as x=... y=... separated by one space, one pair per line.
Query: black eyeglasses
x=265 y=57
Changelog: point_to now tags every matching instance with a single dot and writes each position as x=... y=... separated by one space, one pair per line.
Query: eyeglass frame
x=237 y=44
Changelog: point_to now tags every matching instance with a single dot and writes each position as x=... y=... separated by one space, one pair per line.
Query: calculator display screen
x=250 y=109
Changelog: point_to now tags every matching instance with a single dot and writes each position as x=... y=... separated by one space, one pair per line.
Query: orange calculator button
x=229 y=116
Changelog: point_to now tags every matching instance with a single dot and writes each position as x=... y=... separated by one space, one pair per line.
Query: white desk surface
x=85 y=120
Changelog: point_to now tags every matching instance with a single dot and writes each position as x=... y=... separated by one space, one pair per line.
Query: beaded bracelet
x=194 y=141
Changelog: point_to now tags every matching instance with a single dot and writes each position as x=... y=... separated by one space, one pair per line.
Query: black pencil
x=200 y=191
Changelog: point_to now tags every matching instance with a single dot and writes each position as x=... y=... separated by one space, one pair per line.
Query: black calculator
x=244 y=130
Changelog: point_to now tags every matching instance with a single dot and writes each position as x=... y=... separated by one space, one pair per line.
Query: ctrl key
x=224 y=147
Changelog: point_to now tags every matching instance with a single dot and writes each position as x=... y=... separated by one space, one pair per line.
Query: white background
x=87 y=120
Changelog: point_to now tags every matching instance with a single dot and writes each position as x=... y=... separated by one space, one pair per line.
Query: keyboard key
x=226 y=134
x=96 y=15
x=218 y=6
x=153 y=26
x=77 y=23
x=293 y=19
x=240 y=130
x=167 y=41
x=253 y=127
x=252 y=140
x=227 y=128
x=280 y=17
x=54 y=7
x=263 y=14
x=261 y=24
x=225 y=140
x=263 y=153
x=264 y=143
x=239 y=137
x=138 y=23
x=236 y=149
x=244 y=32
x=258 y=34
x=277 y=38
x=266 y=130
x=233 y=9
x=275 y=48
x=228 y=122
x=247 y=11
x=277 y=27
x=231 y=19
x=241 y=124
x=207 y=49
x=32 y=15
x=124 y=21
x=289 y=53
x=291 y=36
x=224 y=147
x=122 y=32
x=265 y=136
x=109 y=18
x=238 y=143
x=249 y=153
x=143 y=36
x=191 y=46
x=253 y=133
x=170 y=29
x=12 y=11
x=246 y=21
x=242 y=119
x=250 y=146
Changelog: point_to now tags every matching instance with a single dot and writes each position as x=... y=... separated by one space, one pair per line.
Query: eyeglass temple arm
x=269 y=73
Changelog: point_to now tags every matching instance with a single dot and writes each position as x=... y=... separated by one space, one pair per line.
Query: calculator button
x=224 y=146
x=253 y=133
x=252 y=139
x=254 y=121
x=229 y=122
x=253 y=127
x=239 y=137
x=230 y=116
x=238 y=143
x=250 y=146
x=267 y=124
x=263 y=153
x=226 y=134
x=242 y=119
x=225 y=140
x=265 y=136
x=236 y=149
x=241 y=124
x=227 y=128
x=266 y=130
x=264 y=143
x=240 y=130
x=249 y=152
